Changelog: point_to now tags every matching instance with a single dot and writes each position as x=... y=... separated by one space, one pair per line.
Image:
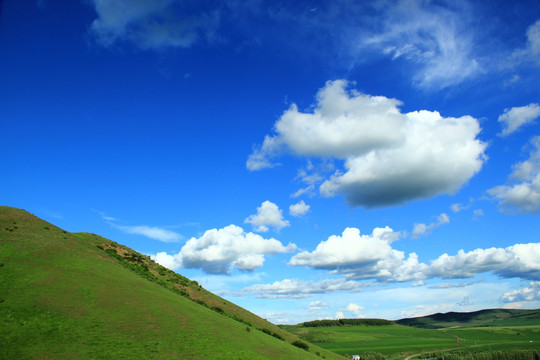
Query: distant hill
x=78 y=296
x=489 y=317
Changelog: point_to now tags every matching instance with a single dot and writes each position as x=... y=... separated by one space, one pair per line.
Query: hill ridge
x=483 y=317
x=79 y=295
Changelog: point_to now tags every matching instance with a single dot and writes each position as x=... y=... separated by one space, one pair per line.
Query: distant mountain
x=489 y=317
x=78 y=296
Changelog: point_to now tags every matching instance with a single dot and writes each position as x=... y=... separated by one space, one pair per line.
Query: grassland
x=399 y=341
x=80 y=296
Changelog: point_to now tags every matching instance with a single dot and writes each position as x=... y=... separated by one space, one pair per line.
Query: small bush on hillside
x=200 y=302
x=218 y=309
x=301 y=345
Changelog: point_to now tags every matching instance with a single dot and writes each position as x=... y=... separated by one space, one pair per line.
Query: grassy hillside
x=81 y=296
x=489 y=317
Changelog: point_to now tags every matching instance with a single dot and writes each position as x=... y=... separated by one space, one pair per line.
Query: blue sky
x=304 y=160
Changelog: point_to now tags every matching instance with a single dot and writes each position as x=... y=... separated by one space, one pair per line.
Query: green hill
x=80 y=296
x=489 y=317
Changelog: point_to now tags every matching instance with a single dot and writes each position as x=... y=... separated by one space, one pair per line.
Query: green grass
x=65 y=296
x=398 y=341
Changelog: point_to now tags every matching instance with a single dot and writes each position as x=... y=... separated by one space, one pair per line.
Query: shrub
x=301 y=345
x=218 y=309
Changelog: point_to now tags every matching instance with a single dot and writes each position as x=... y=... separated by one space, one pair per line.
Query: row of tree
x=347 y=322
x=486 y=355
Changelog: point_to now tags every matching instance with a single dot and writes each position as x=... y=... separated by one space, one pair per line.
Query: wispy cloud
x=454 y=285
x=294 y=288
x=531 y=49
x=421 y=229
x=151 y=24
x=151 y=232
x=436 y=39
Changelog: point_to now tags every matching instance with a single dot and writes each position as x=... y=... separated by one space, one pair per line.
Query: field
x=399 y=342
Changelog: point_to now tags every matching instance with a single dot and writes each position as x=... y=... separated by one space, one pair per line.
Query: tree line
x=486 y=355
x=347 y=322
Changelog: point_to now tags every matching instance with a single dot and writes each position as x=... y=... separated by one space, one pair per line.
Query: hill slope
x=488 y=317
x=80 y=296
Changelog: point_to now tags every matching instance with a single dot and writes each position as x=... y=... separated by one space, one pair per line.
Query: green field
x=80 y=296
x=398 y=341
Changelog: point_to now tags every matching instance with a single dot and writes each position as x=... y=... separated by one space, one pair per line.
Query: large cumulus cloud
x=363 y=256
x=371 y=257
x=389 y=157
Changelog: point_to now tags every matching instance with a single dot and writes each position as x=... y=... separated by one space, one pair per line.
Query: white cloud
x=390 y=157
x=523 y=196
x=268 y=214
x=362 y=256
x=370 y=257
x=312 y=175
x=423 y=229
x=276 y=317
x=340 y=125
x=355 y=309
x=340 y=315
x=150 y=24
x=294 y=288
x=349 y=249
x=530 y=293
x=531 y=49
x=172 y=262
x=477 y=213
x=303 y=191
x=318 y=305
x=299 y=209
x=454 y=285
x=220 y=250
x=438 y=155
x=516 y=117
x=151 y=232
x=457 y=207
x=533 y=38
x=520 y=260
